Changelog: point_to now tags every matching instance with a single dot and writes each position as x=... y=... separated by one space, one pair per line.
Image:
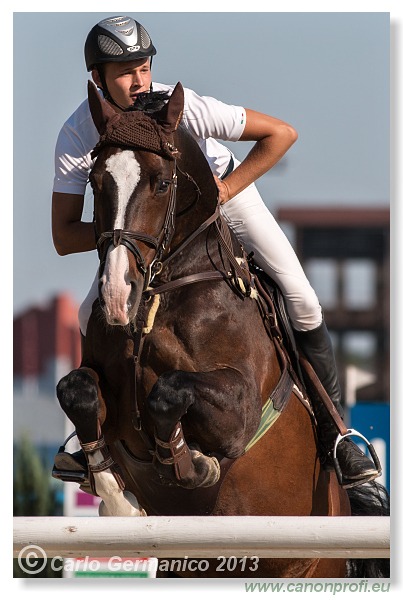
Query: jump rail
x=205 y=537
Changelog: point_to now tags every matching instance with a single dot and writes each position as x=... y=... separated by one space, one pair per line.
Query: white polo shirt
x=206 y=119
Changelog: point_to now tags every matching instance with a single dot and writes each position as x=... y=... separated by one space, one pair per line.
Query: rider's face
x=125 y=80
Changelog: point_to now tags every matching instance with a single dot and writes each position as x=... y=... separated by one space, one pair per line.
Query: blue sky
x=325 y=73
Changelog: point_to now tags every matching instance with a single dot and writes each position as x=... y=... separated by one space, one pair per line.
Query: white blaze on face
x=125 y=171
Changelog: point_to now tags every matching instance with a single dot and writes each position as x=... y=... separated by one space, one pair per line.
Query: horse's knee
x=77 y=392
x=170 y=397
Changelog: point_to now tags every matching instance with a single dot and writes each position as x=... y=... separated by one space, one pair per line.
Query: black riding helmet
x=116 y=39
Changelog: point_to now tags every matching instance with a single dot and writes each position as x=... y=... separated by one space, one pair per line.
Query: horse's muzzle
x=120 y=306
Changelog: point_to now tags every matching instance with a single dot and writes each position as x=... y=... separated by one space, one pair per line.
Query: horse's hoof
x=205 y=472
x=213 y=468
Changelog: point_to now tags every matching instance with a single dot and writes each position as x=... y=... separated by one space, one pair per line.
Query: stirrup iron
x=350 y=432
x=75 y=476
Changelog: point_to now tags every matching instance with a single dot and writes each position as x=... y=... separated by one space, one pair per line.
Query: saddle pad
x=269 y=417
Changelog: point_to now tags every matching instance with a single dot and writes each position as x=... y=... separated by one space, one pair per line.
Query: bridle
x=129 y=239
x=162 y=242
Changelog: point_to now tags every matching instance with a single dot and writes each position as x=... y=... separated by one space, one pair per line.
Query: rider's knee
x=305 y=311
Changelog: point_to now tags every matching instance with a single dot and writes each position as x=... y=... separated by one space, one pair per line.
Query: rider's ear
x=101 y=111
x=170 y=114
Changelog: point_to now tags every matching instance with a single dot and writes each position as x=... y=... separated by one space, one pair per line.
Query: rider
x=118 y=52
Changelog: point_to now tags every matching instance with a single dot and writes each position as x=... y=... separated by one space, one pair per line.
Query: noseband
x=129 y=239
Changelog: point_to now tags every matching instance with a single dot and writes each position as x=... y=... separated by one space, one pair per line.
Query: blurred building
x=46 y=347
x=346 y=256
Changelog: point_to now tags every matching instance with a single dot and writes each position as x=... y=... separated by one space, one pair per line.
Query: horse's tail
x=370 y=500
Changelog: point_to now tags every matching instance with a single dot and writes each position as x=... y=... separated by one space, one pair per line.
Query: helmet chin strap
x=105 y=90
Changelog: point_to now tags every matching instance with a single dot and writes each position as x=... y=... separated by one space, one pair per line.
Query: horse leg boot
x=316 y=346
x=171 y=398
x=102 y=469
x=187 y=466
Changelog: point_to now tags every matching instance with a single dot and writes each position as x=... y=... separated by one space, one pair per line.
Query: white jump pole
x=205 y=537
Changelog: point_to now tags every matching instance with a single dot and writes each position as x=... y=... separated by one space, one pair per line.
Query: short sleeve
x=73 y=162
x=207 y=117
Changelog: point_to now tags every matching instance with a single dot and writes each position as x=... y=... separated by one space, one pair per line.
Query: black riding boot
x=316 y=346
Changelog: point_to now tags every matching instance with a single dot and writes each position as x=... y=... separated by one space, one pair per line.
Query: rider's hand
x=223 y=190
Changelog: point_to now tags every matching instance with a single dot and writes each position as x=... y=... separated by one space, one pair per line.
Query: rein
x=189 y=279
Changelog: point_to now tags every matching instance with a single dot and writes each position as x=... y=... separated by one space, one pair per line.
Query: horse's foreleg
x=213 y=408
x=81 y=399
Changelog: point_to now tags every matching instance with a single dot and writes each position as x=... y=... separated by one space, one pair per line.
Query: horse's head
x=134 y=185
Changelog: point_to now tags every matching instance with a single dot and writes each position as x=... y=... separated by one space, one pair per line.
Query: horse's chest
x=164 y=350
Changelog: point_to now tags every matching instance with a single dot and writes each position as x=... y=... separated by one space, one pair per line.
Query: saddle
x=277 y=315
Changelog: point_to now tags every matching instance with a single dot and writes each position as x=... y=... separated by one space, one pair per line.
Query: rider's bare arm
x=273 y=138
x=70 y=234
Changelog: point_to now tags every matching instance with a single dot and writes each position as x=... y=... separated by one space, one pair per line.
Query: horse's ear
x=171 y=113
x=101 y=111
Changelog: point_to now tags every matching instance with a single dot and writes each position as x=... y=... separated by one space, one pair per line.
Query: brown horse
x=183 y=366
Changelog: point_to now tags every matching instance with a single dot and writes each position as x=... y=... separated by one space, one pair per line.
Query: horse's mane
x=149 y=102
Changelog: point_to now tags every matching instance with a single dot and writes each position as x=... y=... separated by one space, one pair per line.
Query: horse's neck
x=192 y=210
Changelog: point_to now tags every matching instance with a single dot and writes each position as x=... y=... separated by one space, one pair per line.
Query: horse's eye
x=163 y=186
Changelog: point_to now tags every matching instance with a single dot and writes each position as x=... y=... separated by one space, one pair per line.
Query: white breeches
x=258 y=231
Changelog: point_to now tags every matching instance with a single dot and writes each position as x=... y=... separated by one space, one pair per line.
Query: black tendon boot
x=355 y=466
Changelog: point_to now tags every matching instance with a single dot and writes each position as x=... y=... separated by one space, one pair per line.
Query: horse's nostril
x=132 y=295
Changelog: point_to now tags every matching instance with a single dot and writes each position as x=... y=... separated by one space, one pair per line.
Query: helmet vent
x=108 y=46
x=126 y=31
x=117 y=20
x=145 y=38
